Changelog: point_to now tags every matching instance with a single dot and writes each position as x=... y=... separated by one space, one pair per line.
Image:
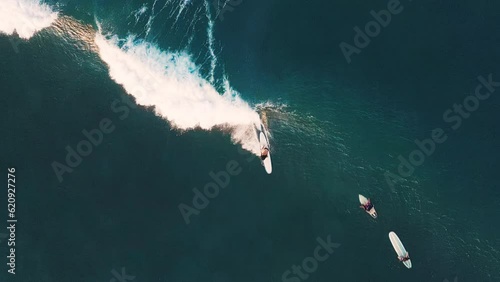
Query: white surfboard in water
x=363 y=200
x=399 y=248
x=264 y=143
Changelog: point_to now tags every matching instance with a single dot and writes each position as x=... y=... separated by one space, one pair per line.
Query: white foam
x=138 y=14
x=26 y=17
x=171 y=82
x=211 y=40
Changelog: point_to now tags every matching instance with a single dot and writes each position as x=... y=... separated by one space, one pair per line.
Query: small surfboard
x=372 y=212
x=264 y=143
x=399 y=248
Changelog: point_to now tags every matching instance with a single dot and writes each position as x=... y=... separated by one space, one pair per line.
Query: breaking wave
x=25 y=17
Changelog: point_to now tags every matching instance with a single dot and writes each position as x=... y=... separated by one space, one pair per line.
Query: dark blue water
x=337 y=128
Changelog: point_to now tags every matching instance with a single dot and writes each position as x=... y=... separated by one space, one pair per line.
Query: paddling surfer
x=405 y=258
x=368 y=206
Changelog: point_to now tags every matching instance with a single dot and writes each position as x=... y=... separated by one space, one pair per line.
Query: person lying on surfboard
x=368 y=206
x=263 y=153
x=405 y=258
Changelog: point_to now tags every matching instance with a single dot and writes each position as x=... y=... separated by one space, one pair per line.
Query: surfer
x=405 y=258
x=263 y=153
x=368 y=206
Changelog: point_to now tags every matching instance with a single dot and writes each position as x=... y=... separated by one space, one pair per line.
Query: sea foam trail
x=26 y=17
x=171 y=82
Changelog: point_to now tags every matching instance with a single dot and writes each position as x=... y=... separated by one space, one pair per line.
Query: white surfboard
x=265 y=144
x=372 y=212
x=399 y=248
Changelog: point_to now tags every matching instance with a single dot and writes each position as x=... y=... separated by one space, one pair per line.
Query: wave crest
x=171 y=82
x=25 y=17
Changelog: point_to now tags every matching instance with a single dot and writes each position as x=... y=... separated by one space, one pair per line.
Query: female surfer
x=368 y=206
x=405 y=258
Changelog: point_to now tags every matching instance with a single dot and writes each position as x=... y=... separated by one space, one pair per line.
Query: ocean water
x=170 y=91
